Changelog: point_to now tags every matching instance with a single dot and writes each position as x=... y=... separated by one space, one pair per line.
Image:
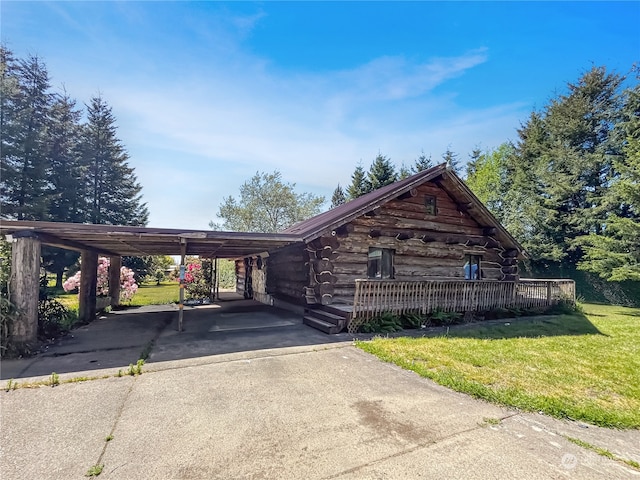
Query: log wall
x=287 y=273
x=240 y=277
x=427 y=247
x=259 y=281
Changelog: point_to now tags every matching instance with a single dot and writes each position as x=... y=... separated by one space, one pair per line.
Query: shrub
x=412 y=320
x=197 y=278
x=440 y=317
x=128 y=285
x=385 y=323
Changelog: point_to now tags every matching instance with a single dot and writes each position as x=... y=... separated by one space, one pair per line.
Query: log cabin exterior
x=417 y=245
x=428 y=228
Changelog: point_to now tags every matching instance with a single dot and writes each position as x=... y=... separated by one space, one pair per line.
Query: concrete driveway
x=318 y=409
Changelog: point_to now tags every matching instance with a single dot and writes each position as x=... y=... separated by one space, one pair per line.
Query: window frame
x=472 y=259
x=384 y=263
x=431 y=204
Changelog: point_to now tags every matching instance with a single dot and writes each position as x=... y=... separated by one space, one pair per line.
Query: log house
x=429 y=226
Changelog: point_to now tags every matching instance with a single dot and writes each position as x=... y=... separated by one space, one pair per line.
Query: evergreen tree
x=113 y=193
x=381 y=173
x=404 y=172
x=614 y=252
x=338 y=197
x=359 y=184
x=25 y=114
x=65 y=169
x=559 y=179
x=66 y=174
x=422 y=163
x=474 y=158
x=451 y=159
x=526 y=212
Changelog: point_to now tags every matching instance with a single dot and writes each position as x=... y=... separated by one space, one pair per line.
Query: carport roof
x=138 y=241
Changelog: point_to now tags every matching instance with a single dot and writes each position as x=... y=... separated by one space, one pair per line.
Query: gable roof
x=445 y=178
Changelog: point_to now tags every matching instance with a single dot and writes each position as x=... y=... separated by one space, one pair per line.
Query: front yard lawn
x=168 y=292
x=583 y=366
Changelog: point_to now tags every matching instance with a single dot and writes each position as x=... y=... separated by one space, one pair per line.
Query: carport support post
x=25 y=286
x=88 y=281
x=115 y=264
x=183 y=252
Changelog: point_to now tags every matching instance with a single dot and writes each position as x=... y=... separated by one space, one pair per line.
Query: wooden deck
x=374 y=297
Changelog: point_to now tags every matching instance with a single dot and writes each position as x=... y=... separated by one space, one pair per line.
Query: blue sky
x=208 y=93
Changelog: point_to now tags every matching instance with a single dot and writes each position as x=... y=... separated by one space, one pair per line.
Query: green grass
x=146 y=295
x=155 y=294
x=580 y=366
x=603 y=452
x=590 y=287
x=94 y=471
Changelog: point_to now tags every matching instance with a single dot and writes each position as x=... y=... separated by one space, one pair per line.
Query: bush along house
x=422 y=244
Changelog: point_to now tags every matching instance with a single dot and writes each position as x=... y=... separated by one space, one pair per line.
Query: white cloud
x=200 y=116
x=215 y=132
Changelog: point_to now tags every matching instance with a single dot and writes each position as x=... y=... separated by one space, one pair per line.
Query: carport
x=114 y=242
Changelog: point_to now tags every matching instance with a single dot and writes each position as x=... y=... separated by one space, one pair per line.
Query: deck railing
x=374 y=297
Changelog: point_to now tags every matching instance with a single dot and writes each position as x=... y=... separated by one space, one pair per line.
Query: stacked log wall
x=288 y=273
x=259 y=280
x=427 y=247
x=322 y=253
x=240 y=276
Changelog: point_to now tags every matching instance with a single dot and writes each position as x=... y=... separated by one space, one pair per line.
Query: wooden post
x=25 y=286
x=183 y=252
x=88 y=281
x=217 y=281
x=115 y=263
x=215 y=291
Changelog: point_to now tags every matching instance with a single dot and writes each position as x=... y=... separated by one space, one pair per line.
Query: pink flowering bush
x=195 y=281
x=128 y=286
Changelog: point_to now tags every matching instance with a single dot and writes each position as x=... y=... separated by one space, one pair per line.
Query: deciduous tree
x=266 y=204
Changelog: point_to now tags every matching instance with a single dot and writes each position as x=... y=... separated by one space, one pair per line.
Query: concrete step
x=326 y=316
x=321 y=325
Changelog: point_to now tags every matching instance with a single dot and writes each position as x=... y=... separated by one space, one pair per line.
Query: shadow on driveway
x=118 y=339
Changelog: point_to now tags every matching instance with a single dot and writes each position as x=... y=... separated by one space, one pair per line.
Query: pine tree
x=25 y=114
x=338 y=197
x=422 y=163
x=359 y=185
x=113 y=193
x=381 y=172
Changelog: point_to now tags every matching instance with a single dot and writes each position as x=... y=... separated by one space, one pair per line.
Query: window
x=472 y=267
x=430 y=204
x=380 y=264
